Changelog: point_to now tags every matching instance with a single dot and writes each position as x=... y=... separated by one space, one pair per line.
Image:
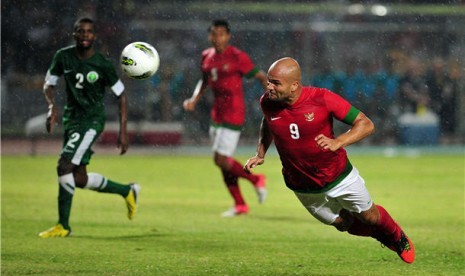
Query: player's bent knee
x=221 y=162
x=64 y=166
x=80 y=180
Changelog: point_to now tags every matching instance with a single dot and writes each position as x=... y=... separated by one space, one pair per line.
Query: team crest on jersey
x=226 y=67
x=92 y=76
x=309 y=117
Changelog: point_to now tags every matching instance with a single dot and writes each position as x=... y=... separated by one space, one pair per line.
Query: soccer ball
x=139 y=60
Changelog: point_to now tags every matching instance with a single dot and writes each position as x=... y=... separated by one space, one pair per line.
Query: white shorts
x=224 y=140
x=350 y=194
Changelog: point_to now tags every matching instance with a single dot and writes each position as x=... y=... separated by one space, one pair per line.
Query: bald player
x=315 y=164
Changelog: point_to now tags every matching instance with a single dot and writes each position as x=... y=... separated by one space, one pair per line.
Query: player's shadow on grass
x=122 y=237
x=153 y=233
x=282 y=218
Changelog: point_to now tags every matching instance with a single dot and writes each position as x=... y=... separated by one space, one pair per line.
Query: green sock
x=65 y=198
x=116 y=188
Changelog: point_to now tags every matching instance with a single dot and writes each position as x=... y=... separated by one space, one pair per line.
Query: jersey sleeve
x=55 y=70
x=340 y=107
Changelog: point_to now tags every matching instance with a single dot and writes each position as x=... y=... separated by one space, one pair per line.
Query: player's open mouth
x=85 y=43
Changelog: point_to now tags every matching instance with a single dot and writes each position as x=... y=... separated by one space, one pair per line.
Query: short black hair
x=219 y=23
x=82 y=20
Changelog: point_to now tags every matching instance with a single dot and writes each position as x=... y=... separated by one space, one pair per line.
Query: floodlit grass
x=178 y=230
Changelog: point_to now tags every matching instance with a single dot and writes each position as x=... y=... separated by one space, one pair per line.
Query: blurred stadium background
x=401 y=62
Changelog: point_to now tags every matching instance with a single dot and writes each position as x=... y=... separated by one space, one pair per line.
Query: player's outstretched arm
x=361 y=128
x=264 y=143
x=262 y=78
x=123 y=140
x=200 y=88
x=49 y=93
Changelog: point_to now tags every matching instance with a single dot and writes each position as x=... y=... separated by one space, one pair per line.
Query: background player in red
x=315 y=165
x=223 y=67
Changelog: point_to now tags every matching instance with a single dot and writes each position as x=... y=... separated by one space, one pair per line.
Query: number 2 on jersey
x=80 y=80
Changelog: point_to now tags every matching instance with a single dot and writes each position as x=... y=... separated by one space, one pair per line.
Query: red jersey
x=225 y=71
x=306 y=167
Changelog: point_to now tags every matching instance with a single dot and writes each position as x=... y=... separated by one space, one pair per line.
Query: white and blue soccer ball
x=139 y=60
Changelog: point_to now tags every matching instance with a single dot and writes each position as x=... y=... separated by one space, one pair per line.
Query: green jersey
x=86 y=81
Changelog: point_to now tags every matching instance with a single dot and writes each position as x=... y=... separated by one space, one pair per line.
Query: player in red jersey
x=223 y=67
x=315 y=165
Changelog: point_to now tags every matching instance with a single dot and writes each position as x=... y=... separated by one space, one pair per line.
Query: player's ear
x=294 y=86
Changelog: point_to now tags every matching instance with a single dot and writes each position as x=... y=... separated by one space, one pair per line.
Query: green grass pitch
x=178 y=229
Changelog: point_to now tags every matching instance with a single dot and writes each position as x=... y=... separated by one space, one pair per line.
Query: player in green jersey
x=86 y=73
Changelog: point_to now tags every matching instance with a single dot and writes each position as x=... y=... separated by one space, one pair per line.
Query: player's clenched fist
x=326 y=143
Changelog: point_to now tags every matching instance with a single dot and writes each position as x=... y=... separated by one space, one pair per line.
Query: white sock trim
x=67 y=182
x=96 y=182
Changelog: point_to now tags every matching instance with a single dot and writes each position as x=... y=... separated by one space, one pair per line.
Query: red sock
x=231 y=183
x=238 y=170
x=387 y=225
x=236 y=194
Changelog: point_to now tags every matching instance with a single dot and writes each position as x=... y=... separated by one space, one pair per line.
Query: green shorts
x=77 y=144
